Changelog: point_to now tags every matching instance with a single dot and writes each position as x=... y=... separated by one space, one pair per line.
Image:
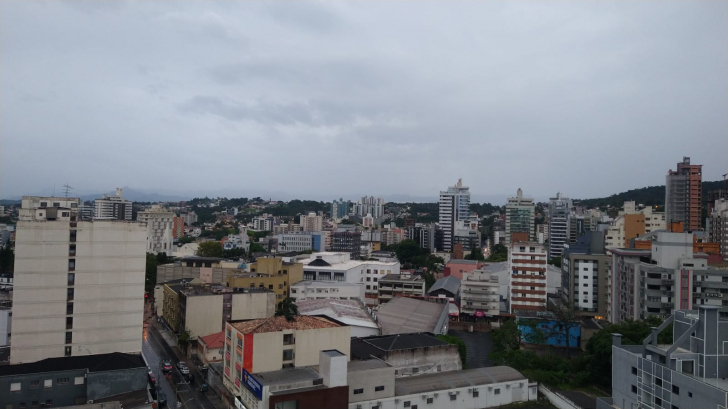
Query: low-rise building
x=479 y=294
x=446 y=287
x=403 y=315
x=349 y=312
x=68 y=381
x=689 y=373
x=319 y=290
x=301 y=241
x=400 y=285
x=269 y=272
x=456 y=267
x=211 y=348
x=409 y=354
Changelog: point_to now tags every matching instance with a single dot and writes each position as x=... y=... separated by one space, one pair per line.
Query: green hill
x=648 y=196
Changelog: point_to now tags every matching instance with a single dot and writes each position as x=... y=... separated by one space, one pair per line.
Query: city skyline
x=177 y=100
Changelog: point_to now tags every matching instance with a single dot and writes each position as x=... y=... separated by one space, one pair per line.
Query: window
x=69 y=294
x=690 y=394
x=675 y=407
x=658 y=381
x=69 y=337
x=634 y=371
x=476 y=393
x=634 y=389
x=240 y=343
x=48 y=383
x=72 y=250
x=407 y=404
x=34 y=404
x=288 y=339
x=35 y=383
x=69 y=308
x=68 y=351
x=375 y=407
x=21 y=405
x=675 y=389
x=270 y=287
x=43 y=204
x=49 y=402
x=358 y=391
x=378 y=388
x=287 y=354
x=62 y=381
x=78 y=380
x=429 y=400
x=15 y=387
x=658 y=401
x=496 y=391
x=453 y=397
x=415 y=370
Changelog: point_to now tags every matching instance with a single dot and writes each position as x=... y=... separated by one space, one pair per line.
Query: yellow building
x=271 y=273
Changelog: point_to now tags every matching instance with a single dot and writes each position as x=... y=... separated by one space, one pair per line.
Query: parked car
x=184 y=370
x=181 y=364
x=166 y=366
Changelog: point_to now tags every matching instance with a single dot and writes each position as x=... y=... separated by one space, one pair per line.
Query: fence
x=557 y=399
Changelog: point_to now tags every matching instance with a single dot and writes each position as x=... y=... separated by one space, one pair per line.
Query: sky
x=321 y=100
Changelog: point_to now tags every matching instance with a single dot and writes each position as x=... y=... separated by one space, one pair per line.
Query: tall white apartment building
x=369 y=205
x=79 y=285
x=160 y=229
x=520 y=217
x=112 y=207
x=559 y=208
x=312 y=222
x=263 y=222
x=454 y=207
x=528 y=276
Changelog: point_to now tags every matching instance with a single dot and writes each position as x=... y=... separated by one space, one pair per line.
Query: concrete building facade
x=558 y=225
x=113 y=207
x=400 y=285
x=312 y=222
x=684 y=195
x=527 y=262
x=454 y=206
x=719 y=226
x=79 y=285
x=320 y=290
x=520 y=217
x=585 y=276
x=479 y=294
x=160 y=229
x=369 y=205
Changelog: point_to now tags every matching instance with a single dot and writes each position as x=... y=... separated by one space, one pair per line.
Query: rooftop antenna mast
x=67 y=189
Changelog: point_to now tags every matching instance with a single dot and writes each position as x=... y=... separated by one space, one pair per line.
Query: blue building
x=340 y=208
x=543 y=329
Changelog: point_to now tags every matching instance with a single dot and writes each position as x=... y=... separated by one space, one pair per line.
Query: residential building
x=403 y=315
x=528 y=279
x=312 y=222
x=348 y=312
x=423 y=234
x=271 y=344
x=113 y=207
x=412 y=354
x=369 y=205
x=203 y=309
x=236 y=241
x=683 y=195
x=520 y=217
x=340 y=209
x=400 y=285
x=69 y=381
x=467 y=233
x=301 y=241
x=318 y=290
x=457 y=268
x=479 y=294
x=368 y=220
x=178 y=227
x=329 y=266
x=190 y=217
x=446 y=287
x=263 y=223
x=454 y=207
x=719 y=226
x=542 y=233
x=665 y=278
x=269 y=272
x=346 y=242
x=207 y=269
x=585 y=276
x=558 y=226
x=160 y=229
x=690 y=372
x=211 y=348
x=78 y=285
x=632 y=222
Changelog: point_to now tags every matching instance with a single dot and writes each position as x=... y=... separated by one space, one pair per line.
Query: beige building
x=631 y=223
x=203 y=309
x=480 y=294
x=312 y=222
x=160 y=229
x=269 y=272
x=271 y=344
x=79 y=285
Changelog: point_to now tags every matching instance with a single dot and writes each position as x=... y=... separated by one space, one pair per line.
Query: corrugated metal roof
x=441 y=381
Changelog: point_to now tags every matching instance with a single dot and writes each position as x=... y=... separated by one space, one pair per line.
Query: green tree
x=150 y=274
x=476 y=253
x=407 y=251
x=256 y=248
x=555 y=261
x=234 y=253
x=498 y=253
x=287 y=308
x=507 y=337
x=183 y=339
x=462 y=349
x=210 y=249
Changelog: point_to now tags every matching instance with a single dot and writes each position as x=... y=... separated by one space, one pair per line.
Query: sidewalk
x=171 y=340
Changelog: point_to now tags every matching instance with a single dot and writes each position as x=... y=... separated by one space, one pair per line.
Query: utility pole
x=67 y=189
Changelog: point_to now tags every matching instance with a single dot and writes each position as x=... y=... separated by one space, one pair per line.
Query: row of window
x=47 y=383
x=34 y=404
x=361 y=390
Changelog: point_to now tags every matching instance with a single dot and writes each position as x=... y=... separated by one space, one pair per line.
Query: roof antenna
x=67 y=189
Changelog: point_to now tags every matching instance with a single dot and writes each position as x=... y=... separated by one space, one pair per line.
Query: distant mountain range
x=648 y=196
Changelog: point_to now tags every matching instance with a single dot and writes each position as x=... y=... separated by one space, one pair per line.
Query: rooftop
x=449 y=283
x=366 y=365
x=273 y=324
x=214 y=341
x=325 y=283
x=455 y=379
x=287 y=376
x=94 y=363
x=403 y=315
x=364 y=348
x=402 y=277
x=458 y=261
x=350 y=312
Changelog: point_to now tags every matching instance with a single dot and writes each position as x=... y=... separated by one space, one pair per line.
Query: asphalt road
x=479 y=346
x=156 y=350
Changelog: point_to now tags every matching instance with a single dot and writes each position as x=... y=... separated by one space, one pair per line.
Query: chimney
x=333 y=368
x=617 y=340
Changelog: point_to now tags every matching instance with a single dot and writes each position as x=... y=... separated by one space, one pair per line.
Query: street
x=156 y=350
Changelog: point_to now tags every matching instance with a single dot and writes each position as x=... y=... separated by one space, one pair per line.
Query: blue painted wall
x=548 y=327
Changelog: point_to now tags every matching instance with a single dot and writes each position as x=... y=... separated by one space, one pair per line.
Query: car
x=181 y=364
x=184 y=370
x=166 y=366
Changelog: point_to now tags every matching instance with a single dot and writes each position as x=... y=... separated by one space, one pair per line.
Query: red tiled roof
x=214 y=341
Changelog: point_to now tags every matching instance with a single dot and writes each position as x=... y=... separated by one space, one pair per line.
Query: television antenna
x=67 y=189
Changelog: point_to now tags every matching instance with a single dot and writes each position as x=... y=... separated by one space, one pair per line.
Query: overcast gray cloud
x=333 y=99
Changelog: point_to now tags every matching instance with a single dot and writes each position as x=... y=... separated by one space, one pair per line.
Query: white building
x=321 y=290
x=480 y=294
x=190 y=218
x=160 y=229
x=628 y=224
x=113 y=207
x=369 y=205
x=301 y=241
x=236 y=241
x=454 y=206
x=263 y=223
x=520 y=217
x=79 y=285
x=339 y=267
x=312 y=222
x=559 y=208
x=350 y=312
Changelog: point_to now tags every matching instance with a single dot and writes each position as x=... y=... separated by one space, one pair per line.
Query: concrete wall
x=368 y=380
x=310 y=343
x=204 y=315
x=426 y=360
x=104 y=384
x=253 y=305
x=60 y=394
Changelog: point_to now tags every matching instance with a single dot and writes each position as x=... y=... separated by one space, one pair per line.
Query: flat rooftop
x=455 y=379
x=93 y=363
x=289 y=375
x=403 y=315
x=325 y=283
x=379 y=345
x=274 y=324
